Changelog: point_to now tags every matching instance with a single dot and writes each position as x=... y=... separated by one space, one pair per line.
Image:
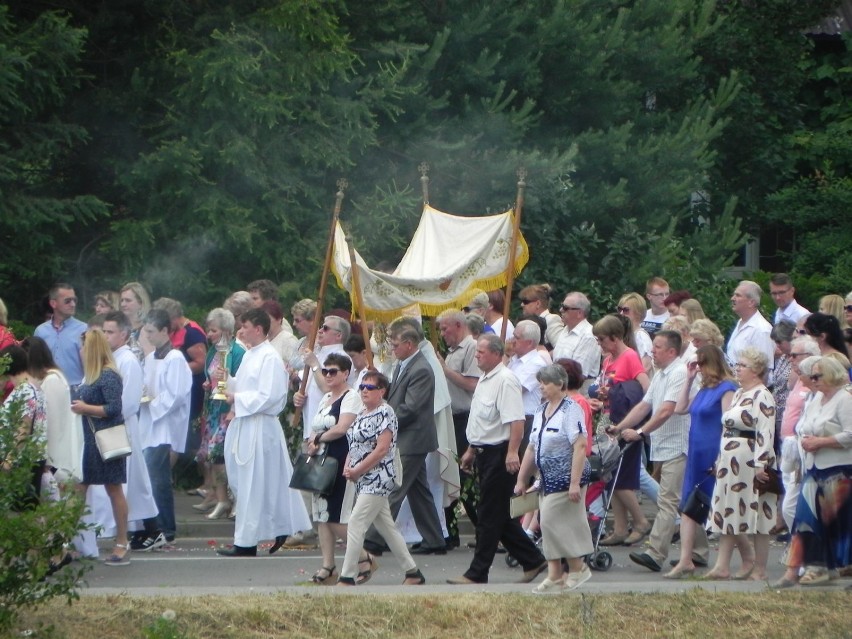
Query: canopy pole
x=424 y=181
x=358 y=302
x=318 y=317
x=513 y=247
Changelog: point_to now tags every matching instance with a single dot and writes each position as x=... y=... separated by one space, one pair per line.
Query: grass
x=695 y=613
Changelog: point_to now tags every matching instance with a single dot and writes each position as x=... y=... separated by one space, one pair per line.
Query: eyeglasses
x=740 y=365
x=369 y=387
x=466 y=309
x=815 y=378
x=329 y=372
x=564 y=308
x=524 y=302
x=658 y=294
x=326 y=327
x=624 y=310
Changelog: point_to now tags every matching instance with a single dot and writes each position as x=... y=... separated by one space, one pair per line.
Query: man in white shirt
x=574 y=340
x=495 y=430
x=784 y=295
x=164 y=418
x=525 y=363
x=140 y=497
x=669 y=435
x=751 y=329
x=656 y=292
x=256 y=457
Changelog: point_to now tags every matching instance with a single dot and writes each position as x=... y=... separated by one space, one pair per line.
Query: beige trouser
x=671 y=483
x=373 y=510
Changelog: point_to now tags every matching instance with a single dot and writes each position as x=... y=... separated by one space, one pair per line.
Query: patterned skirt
x=737 y=508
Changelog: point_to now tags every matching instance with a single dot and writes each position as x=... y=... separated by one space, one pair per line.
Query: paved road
x=191 y=567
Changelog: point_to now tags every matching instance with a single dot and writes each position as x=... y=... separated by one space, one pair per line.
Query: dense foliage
x=195 y=144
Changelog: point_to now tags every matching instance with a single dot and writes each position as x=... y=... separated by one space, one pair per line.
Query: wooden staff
x=358 y=301
x=424 y=184
x=513 y=247
x=326 y=267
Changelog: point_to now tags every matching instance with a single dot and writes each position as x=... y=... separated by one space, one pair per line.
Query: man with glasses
x=784 y=295
x=656 y=292
x=412 y=397
x=574 y=339
x=63 y=333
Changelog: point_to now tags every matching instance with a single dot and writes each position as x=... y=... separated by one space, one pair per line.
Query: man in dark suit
x=412 y=397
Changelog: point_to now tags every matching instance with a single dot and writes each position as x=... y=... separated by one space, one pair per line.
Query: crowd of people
x=747 y=438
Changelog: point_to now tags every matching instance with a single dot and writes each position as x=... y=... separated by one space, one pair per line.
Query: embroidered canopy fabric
x=448 y=257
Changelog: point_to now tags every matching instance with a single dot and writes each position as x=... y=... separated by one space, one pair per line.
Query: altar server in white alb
x=164 y=415
x=256 y=457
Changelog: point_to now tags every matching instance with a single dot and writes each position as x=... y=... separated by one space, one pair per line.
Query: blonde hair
x=755 y=360
x=97 y=355
x=706 y=330
x=833 y=372
x=635 y=302
x=691 y=309
x=833 y=305
x=141 y=296
x=110 y=298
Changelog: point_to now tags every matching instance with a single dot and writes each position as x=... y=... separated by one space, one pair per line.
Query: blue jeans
x=160 y=470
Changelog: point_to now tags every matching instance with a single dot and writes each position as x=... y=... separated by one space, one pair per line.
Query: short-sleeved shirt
x=33 y=415
x=653 y=323
x=65 y=344
x=623 y=368
x=553 y=440
x=755 y=331
x=794 y=312
x=672 y=438
x=362 y=436
x=525 y=369
x=462 y=359
x=579 y=344
x=496 y=403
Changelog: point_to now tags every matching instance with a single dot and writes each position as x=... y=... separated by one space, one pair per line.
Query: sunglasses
x=801 y=331
x=562 y=307
x=815 y=378
x=329 y=372
x=624 y=310
x=526 y=301
x=848 y=308
x=369 y=387
x=326 y=327
x=466 y=309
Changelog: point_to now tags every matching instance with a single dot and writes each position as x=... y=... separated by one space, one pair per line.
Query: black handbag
x=773 y=485
x=697 y=506
x=314 y=474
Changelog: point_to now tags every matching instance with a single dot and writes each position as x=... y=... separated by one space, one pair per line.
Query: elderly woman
x=335 y=414
x=705 y=431
x=703 y=332
x=226 y=355
x=370 y=466
x=822 y=531
x=738 y=508
x=782 y=334
x=557 y=449
x=634 y=307
x=135 y=303
x=623 y=383
x=106 y=301
x=99 y=404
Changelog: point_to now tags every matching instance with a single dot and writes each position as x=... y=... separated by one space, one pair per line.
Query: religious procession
x=445 y=394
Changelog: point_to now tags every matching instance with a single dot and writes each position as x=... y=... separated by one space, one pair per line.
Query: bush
x=31 y=538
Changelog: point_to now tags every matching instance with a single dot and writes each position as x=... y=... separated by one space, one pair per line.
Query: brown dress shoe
x=461 y=581
x=531 y=574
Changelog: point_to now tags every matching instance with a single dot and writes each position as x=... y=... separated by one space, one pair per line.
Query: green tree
x=39 y=207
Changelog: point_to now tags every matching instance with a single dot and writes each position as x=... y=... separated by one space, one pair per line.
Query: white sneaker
x=577 y=579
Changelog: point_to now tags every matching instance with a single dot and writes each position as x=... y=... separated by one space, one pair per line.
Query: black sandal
x=322 y=579
x=364 y=575
x=416 y=577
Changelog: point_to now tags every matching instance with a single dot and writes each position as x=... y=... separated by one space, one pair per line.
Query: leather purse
x=112 y=442
x=522 y=504
x=314 y=474
x=697 y=505
x=773 y=485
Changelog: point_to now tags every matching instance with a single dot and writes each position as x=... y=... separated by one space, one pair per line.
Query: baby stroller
x=607 y=455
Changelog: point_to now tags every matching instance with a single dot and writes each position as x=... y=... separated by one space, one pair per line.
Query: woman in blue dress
x=705 y=432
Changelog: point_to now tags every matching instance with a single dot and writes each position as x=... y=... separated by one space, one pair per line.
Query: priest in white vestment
x=256 y=457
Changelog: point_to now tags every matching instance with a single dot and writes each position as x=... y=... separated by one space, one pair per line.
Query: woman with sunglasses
x=370 y=466
x=822 y=530
x=739 y=511
x=337 y=411
x=705 y=409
